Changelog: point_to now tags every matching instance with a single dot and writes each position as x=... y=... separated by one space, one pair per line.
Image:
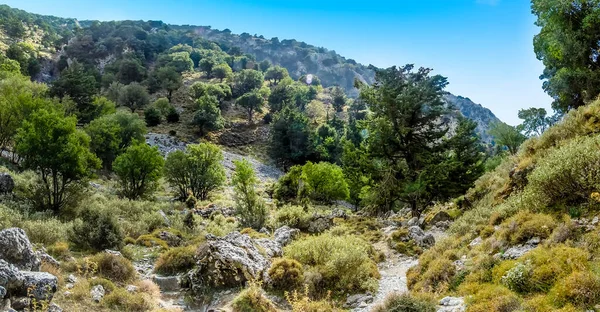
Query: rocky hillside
x=476 y=112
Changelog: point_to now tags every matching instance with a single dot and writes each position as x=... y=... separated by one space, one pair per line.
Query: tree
x=105 y=139
x=51 y=145
x=221 y=91
x=275 y=74
x=535 y=121
x=222 y=71
x=252 y=102
x=180 y=61
x=152 y=116
x=246 y=81
x=507 y=136
x=132 y=128
x=568 y=46
x=290 y=137
x=208 y=116
x=250 y=208
x=169 y=80
x=324 y=182
x=198 y=170
x=405 y=134
x=339 y=99
x=139 y=170
x=131 y=70
x=134 y=96
x=76 y=83
x=206 y=65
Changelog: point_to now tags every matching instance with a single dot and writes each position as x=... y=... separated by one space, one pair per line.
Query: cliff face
x=479 y=114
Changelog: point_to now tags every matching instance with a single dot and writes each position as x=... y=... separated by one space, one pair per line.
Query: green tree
x=134 y=96
x=152 y=116
x=132 y=128
x=180 y=61
x=507 y=136
x=208 y=116
x=290 y=137
x=206 y=65
x=252 y=102
x=275 y=74
x=222 y=71
x=105 y=139
x=567 y=45
x=246 y=81
x=357 y=166
x=169 y=80
x=535 y=121
x=139 y=170
x=250 y=208
x=51 y=145
x=78 y=84
x=324 y=182
x=131 y=70
x=198 y=170
x=339 y=99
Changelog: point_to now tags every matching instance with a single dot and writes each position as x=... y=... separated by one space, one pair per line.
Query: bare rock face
x=11 y=278
x=16 y=249
x=227 y=261
x=7 y=184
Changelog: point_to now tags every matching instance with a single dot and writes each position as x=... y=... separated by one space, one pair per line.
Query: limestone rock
x=451 y=304
x=171 y=239
x=167 y=283
x=424 y=240
x=440 y=216
x=476 y=241
x=20 y=304
x=7 y=184
x=54 y=308
x=44 y=257
x=271 y=247
x=358 y=300
x=71 y=279
x=97 y=293
x=16 y=249
x=2 y=292
x=40 y=285
x=132 y=288
x=285 y=234
x=10 y=277
x=320 y=223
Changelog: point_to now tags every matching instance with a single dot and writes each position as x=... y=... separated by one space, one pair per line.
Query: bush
x=97 y=230
x=152 y=117
x=301 y=302
x=402 y=243
x=122 y=300
x=221 y=226
x=150 y=240
x=287 y=187
x=46 y=231
x=252 y=299
x=490 y=298
x=176 y=260
x=343 y=263
x=113 y=267
x=108 y=286
x=138 y=169
x=172 y=115
x=59 y=250
x=322 y=182
x=286 y=274
x=208 y=116
x=293 y=216
x=526 y=225
x=249 y=206
x=516 y=279
x=405 y=303
x=579 y=288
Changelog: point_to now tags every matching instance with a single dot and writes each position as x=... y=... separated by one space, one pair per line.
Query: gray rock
x=227 y=262
x=476 y=241
x=67 y=293
x=264 y=231
x=113 y=252
x=358 y=301
x=7 y=184
x=595 y=221
x=132 y=288
x=422 y=239
x=5 y=305
x=40 y=285
x=451 y=304
x=72 y=279
x=97 y=293
x=16 y=249
x=69 y=286
x=338 y=213
x=320 y=224
x=2 y=292
x=20 y=304
x=165 y=218
x=285 y=234
x=10 y=277
x=440 y=216
x=516 y=252
x=412 y=222
x=207 y=212
x=44 y=257
x=167 y=283
x=54 y=308
x=171 y=239
x=271 y=247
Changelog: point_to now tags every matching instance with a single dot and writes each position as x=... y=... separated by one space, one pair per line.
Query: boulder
x=16 y=249
x=7 y=184
x=132 y=288
x=319 y=224
x=167 y=283
x=285 y=234
x=71 y=279
x=54 y=308
x=11 y=279
x=439 y=216
x=171 y=239
x=2 y=292
x=46 y=258
x=211 y=209
x=227 y=261
x=40 y=285
x=20 y=304
x=422 y=239
x=358 y=300
x=451 y=304
x=476 y=241
x=414 y=221
x=97 y=293
x=271 y=247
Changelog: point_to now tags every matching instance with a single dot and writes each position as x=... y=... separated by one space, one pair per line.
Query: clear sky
x=484 y=47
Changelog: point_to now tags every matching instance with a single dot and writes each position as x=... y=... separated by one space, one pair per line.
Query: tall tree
x=208 y=116
x=275 y=74
x=78 y=84
x=134 y=96
x=290 y=137
x=249 y=207
x=535 y=121
x=339 y=99
x=139 y=170
x=507 y=136
x=222 y=71
x=246 y=81
x=568 y=46
x=252 y=102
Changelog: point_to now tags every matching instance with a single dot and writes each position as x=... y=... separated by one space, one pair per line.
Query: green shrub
x=286 y=188
x=579 y=288
x=402 y=243
x=252 y=299
x=221 y=226
x=176 y=260
x=406 y=302
x=46 y=231
x=97 y=230
x=490 y=298
x=59 y=250
x=526 y=225
x=122 y=300
x=293 y=216
x=114 y=267
x=139 y=169
x=149 y=240
x=286 y=274
x=106 y=284
x=342 y=263
x=301 y=302
x=250 y=207
x=152 y=117
x=516 y=279
x=172 y=115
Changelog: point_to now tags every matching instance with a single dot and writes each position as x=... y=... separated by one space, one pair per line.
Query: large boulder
x=227 y=261
x=320 y=223
x=7 y=184
x=40 y=285
x=440 y=216
x=423 y=240
x=16 y=249
x=285 y=234
x=11 y=279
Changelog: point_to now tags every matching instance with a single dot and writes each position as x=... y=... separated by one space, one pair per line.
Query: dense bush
x=341 y=263
x=286 y=274
x=152 y=116
x=114 y=267
x=293 y=216
x=249 y=206
x=526 y=225
x=322 y=182
x=579 y=288
x=252 y=299
x=176 y=260
x=396 y=302
x=97 y=230
x=138 y=169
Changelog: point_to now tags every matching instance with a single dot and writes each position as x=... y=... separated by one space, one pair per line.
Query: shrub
x=108 y=286
x=152 y=117
x=287 y=187
x=46 y=231
x=138 y=169
x=301 y=302
x=438 y=276
x=286 y=274
x=249 y=207
x=176 y=260
x=97 y=230
x=490 y=298
x=252 y=299
x=172 y=115
x=343 y=262
x=208 y=116
x=149 y=240
x=579 y=288
x=402 y=243
x=516 y=279
x=293 y=216
x=114 y=267
x=59 y=250
x=526 y=225
x=221 y=226
x=406 y=303
x=122 y=300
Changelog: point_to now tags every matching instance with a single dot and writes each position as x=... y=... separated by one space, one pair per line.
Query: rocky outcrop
x=320 y=223
x=284 y=235
x=212 y=209
x=422 y=239
x=518 y=251
x=11 y=279
x=171 y=239
x=16 y=249
x=40 y=285
x=7 y=184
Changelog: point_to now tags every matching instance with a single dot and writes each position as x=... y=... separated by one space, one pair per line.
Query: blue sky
x=484 y=47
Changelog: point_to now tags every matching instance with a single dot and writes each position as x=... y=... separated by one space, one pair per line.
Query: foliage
x=138 y=169
x=176 y=260
x=286 y=274
x=252 y=102
x=275 y=74
x=168 y=79
x=324 y=182
x=246 y=81
x=208 y=116
x=339 y=99
x=222 y=71
x=535 y=121
x=507 y=136
x=342 y=263
x=66 y=160
x=252 y=299
x=293 y=216
x=290 y=135
x=134 y=96
x=97 y=230
x=123 y=300
x=79 y=85
x=152 y=116
x=198 y=170
x=250 y=208
x=114 y=267
x=406 y=302
x=301 y=302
